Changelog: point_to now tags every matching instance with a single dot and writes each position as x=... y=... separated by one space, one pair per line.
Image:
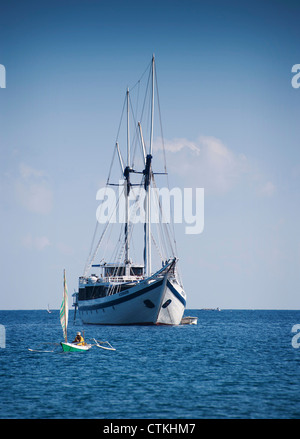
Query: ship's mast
x=147 y=185
x=127 y=191
x=128 y=132
x=152 y=106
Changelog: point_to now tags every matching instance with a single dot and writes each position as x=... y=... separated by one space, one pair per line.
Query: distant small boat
x=211 y=309
x=189 y=320
x=48 y=309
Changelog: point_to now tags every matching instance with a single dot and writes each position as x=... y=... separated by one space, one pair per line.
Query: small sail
x=64 y=311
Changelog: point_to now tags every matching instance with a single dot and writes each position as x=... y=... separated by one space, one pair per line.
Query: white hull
x=160 y=302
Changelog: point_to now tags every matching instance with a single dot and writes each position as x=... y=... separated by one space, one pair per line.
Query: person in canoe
x=79 y=339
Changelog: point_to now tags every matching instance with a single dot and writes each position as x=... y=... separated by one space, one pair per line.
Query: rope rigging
x=164 y=242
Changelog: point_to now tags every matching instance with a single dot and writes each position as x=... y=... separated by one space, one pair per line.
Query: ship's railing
x=109 y=279
x=120 y=279
x=168 y=268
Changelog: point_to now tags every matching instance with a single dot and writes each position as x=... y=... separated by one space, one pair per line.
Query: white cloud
x=32 y=190
x=27 y=172
x=267 y=189
x=176 y=145
x=37 y=243
x=206 y=162
x=65 y=249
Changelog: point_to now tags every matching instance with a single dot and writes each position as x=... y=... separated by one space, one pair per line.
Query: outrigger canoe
x=75 y=347
x=64 y=312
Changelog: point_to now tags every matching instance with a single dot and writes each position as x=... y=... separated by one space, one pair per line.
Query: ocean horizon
x=234 y=364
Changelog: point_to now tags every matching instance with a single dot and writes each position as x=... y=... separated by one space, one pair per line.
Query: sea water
x=232 y=364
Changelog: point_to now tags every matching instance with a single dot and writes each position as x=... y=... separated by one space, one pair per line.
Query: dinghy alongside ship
x=189 y=320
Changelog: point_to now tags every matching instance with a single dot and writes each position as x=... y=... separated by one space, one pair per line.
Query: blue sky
x=231 y=125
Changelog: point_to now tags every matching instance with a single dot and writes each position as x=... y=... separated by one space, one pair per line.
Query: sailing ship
x=126 y=292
